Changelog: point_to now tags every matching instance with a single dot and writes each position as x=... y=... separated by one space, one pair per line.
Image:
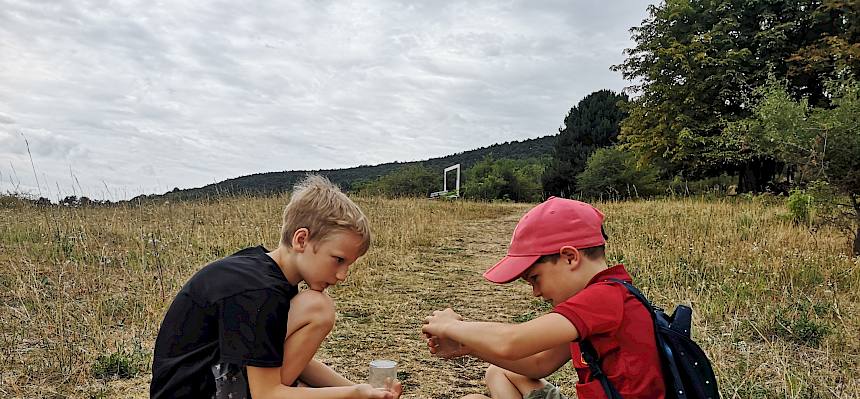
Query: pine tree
x=591 y=124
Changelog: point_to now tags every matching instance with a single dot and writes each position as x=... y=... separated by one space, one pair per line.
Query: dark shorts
x=230 y=382
x=548 y=391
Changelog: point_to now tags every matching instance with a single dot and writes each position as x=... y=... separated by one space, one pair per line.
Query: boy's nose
x=341 y=275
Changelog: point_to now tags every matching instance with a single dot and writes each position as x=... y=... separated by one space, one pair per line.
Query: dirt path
x=454 y=279
x=436 y=277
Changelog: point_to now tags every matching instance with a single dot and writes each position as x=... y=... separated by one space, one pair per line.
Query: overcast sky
x=121 y=98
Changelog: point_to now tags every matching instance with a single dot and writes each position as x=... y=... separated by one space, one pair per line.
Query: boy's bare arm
x=503 y=341
x=317 y=374
x=265 y=383
x=535 y=366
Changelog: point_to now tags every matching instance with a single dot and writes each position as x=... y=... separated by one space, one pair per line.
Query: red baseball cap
x=543 y=230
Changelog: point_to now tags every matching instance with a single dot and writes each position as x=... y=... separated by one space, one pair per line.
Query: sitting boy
x=558 y=248
x=239 y=328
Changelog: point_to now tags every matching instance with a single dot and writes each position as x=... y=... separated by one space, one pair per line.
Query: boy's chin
x=318 y=287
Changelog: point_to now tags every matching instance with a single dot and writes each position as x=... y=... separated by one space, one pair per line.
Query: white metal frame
x=445 y=192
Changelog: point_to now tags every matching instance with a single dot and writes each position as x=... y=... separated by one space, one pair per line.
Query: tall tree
x=591 y=124
x=698 y=62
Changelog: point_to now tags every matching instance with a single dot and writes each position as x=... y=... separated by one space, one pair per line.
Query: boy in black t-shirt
x=239 y=328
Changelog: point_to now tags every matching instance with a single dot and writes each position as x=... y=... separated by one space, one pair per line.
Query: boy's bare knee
x=314 y=307
x=493 y=372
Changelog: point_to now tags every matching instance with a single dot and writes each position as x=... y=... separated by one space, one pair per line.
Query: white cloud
x=137 y=97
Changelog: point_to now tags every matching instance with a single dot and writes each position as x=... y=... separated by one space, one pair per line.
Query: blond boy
x=240 y=328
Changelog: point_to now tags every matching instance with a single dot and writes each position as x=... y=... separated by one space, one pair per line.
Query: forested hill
x=275 y=182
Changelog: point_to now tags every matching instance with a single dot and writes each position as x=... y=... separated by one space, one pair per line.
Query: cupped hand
x=393 y=390
x=446 y=348
x=367 y=391
x=437 y=324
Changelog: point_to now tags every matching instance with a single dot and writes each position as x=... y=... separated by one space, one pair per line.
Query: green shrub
x=505 y=179
x=800 y=206
x=613 y=173
x=125 y=364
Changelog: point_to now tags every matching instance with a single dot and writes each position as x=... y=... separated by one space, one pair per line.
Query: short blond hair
x=319 y=206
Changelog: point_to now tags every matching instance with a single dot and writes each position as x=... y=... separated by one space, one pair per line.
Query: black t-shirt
x=231 y=312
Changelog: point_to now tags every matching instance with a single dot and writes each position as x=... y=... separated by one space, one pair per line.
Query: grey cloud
x=144 y=97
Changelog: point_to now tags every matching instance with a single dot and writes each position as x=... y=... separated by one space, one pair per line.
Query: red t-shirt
x=622 y=332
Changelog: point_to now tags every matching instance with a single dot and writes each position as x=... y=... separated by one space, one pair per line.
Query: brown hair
x=319 y=206
x=593 y=253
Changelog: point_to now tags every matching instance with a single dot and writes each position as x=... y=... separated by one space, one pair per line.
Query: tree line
x=759 y=95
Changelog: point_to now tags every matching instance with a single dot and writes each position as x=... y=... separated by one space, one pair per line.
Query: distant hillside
x=276 y=182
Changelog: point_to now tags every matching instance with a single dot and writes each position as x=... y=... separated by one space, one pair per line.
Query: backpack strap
x=670 y=370
x=635 y=292
x=589 y=354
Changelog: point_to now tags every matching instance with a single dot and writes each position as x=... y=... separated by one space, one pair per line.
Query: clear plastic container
x=380 y=371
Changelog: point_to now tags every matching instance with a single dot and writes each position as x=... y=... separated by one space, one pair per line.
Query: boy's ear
x=570 y=254
x=300 y=239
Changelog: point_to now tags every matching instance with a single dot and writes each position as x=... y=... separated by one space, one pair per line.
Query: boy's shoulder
x=600 y=306
x=599 y=295
x=247 y=270
x=252 y=254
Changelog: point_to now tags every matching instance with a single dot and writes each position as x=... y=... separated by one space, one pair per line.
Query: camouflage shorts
x=548 y=391
x=230 y=382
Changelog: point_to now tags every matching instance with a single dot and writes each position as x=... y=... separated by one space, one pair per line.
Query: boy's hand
x=395 y=388
x=437 y=324
x=392 y=390
x=446 y=348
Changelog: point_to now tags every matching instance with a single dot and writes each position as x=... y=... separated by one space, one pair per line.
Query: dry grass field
x=82 y=291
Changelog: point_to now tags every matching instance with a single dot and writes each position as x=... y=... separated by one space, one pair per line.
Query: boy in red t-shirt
x=558 y=248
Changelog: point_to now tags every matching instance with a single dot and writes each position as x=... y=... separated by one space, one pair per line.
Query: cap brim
x=509 y=268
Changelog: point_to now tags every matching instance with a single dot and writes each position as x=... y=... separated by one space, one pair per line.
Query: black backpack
x=686 y=369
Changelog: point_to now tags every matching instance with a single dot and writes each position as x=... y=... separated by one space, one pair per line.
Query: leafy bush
x=505 y=179
x=817 y=142
x=800 y=206
x=613 y=173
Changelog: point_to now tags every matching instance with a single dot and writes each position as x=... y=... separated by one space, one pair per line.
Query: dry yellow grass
x=776 y=306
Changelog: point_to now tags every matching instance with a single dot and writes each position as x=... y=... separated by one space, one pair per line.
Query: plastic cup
x=380 y=371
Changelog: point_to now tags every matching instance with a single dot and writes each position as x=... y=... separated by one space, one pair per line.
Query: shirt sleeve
x=598 y=309
x=252 y=328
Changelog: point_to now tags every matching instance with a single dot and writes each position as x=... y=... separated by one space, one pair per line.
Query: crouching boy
x=558 y=248
x=240 y=328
